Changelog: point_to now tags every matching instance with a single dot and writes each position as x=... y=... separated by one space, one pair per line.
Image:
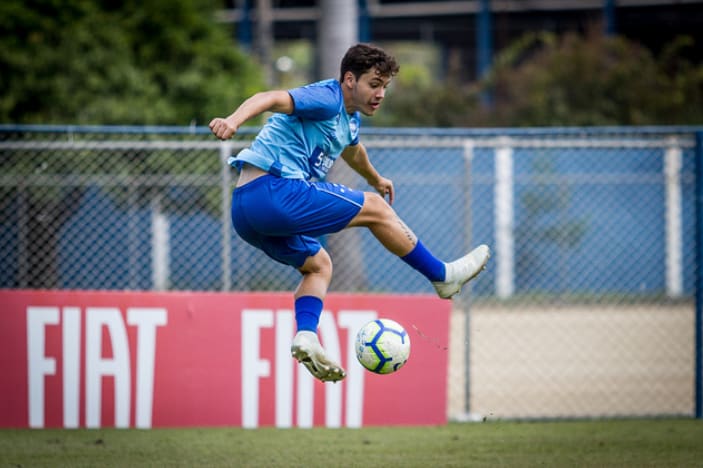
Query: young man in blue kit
x=280 y=205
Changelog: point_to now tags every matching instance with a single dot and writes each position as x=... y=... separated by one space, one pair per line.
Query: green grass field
x=626 y=443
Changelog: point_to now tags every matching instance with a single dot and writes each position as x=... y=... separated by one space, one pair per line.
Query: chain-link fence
x=587 y=307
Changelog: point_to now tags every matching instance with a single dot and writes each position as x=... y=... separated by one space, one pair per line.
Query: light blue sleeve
x=317 y=101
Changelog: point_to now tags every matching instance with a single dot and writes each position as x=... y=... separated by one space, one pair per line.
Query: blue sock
x=307 y=312
x=423 y=261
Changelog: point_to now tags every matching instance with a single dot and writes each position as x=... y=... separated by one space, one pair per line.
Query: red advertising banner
x=141 y=359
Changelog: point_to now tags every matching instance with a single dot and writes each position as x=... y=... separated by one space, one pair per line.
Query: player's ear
x=349 y=79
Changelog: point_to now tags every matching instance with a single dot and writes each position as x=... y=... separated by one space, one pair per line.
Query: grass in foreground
x=628 y=443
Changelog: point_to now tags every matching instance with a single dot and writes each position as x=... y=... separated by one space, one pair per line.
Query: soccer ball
x=382 y=346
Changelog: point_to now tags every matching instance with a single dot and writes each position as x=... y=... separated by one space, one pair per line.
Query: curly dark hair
x=361 y=58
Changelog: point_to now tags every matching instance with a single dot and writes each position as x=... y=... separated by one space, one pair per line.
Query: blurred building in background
x=465 y=34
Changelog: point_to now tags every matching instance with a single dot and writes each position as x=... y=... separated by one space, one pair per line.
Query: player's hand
x=222 y=128
x=385 y=188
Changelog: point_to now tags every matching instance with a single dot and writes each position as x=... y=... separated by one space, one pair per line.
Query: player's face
x=366 y=92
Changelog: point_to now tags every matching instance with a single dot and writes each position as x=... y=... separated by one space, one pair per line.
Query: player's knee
x=374 y=212
x=320 y=263
x=376 y=206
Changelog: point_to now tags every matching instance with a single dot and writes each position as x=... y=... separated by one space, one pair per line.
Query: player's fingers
x=215 y=126
x=220 y=128
x=391 y=194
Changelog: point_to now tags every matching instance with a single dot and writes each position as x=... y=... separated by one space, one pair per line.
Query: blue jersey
x=306 y=143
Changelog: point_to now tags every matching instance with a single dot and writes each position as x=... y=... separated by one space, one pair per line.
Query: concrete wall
x=573 y=361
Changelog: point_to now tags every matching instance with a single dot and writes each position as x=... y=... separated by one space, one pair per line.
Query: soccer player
x=281 y=203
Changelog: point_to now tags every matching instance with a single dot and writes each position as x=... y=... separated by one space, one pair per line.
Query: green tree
x=593 y=80
x=573 y=80
x=150 y=62
x=132 y=62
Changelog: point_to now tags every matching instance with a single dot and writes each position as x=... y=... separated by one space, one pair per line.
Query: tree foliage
x=118 y=62
x=141 y=62
x=545 y=80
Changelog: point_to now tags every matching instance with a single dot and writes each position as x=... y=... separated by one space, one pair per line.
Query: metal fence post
x=225 y=153
x=673 y=157
x=504 y=219
x=465 y=301
x=699 y=277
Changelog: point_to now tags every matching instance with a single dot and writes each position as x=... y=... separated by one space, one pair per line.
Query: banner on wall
x=141 y=359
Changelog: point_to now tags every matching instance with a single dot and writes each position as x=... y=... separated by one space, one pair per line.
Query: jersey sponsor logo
x=321 y=161
x=354 y=128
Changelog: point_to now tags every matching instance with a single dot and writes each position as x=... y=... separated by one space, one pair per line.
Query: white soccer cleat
x=306 y=349
x=461 y=271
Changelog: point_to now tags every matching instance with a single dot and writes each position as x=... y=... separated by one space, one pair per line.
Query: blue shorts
x=283 y=217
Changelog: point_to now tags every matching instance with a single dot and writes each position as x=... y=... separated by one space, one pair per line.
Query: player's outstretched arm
x=267 y=101
x=358 y=159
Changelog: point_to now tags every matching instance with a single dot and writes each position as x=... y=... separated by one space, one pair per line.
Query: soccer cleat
x=461 y=271
x=306 y=349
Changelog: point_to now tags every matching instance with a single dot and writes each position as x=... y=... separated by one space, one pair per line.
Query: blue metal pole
x=244 y=27
x=484 y=45
x=364 y=22
x=609 y=17
x=699 y=277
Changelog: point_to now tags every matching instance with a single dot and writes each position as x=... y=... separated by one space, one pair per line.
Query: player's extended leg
x=398 y=238
x=306 y=348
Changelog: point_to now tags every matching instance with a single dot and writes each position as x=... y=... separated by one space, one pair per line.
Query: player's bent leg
x=461 y=271
x=383 y=222
x=306 y=349
x=394 y=234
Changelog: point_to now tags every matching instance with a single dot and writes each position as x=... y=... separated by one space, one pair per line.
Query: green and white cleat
x=461 y=271
x=306 y=349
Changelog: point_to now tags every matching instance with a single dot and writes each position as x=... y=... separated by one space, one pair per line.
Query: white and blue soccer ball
x=382 y=346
